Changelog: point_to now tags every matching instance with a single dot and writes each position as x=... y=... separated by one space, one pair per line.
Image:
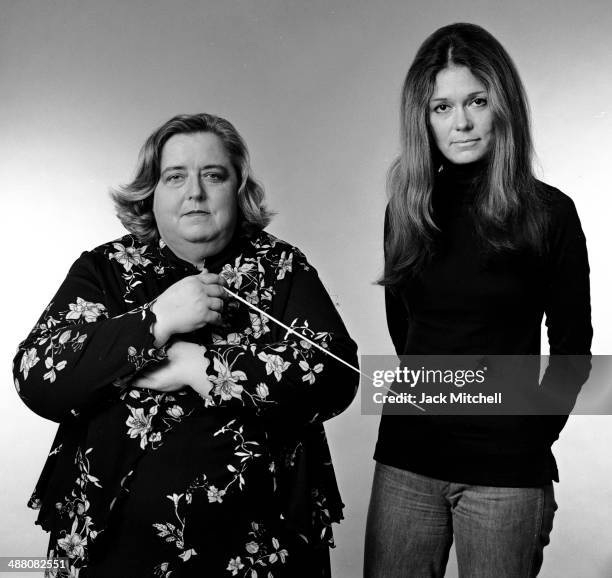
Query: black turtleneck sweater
x=468 y=300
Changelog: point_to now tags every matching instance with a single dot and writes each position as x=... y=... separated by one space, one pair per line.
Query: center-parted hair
x=508 y=214
x=134 y=201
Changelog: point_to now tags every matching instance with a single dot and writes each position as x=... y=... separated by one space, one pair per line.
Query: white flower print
x=175 y=498
x=130 y=256
x=235 y=275
x=262 y=550
x=141 y=358
x=236 y=372
x=155 y=437
x=262 y=390
x=252 y=297
x=259 y=323
x=65 y=336
x=233 y=339
x=184 y=556
x=215 y=495
x=82 y=507
x=162 y=569
x=172 y=533
x=284 y=265
x=132 y=259
x=28 y=361
x=85 y=309
x=139 y=424
x=176 y=411
x=50 y=375
x=226 y=381
x=310 y=372
x=274 y=364
x=73 y=545
x=235 y=565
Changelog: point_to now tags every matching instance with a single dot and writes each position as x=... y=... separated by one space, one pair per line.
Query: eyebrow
x=470 y=95
x=184 y=168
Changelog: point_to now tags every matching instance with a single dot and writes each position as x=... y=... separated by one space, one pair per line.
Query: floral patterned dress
x=142 y=483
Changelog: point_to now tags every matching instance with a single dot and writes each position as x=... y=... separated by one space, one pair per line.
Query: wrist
x=160 y=333
x=200 y=382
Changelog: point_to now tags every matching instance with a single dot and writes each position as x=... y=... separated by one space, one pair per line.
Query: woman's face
x=195 y=200
x=460 y=118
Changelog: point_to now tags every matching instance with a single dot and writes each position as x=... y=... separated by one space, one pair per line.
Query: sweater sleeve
x=568 y=302
x=76 y=354
x=288 y=378
x=397 y=320
x=568 y=314
x=397 y=316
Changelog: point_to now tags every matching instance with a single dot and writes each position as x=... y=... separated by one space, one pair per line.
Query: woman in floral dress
x=190 y=440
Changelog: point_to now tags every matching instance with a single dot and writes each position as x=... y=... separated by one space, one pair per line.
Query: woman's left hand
x=186 y=366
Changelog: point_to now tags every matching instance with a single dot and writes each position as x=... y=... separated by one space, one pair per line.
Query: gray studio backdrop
x=314 y=87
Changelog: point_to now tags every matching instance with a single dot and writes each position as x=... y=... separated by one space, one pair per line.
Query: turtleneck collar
x=464 y=174
x=459 y=183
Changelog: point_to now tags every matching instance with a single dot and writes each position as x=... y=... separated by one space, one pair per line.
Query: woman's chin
x=199 y=234
x=465 y=158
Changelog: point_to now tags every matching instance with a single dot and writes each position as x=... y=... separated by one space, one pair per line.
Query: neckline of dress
x=212 y=263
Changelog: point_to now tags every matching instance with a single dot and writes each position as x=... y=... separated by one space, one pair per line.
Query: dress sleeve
x=76 y=354
x=287 y=377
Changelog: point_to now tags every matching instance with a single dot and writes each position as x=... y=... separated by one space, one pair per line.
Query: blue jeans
x=499 y=532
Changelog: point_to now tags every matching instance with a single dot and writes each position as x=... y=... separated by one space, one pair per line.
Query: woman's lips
x=197 y=212
x=466 y=142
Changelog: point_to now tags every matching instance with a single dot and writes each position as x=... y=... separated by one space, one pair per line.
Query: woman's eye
x=213 y=177
x=441 y=108
x=175 y=178
x=480 y=101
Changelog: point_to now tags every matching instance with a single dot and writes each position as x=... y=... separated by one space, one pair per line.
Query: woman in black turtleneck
x=476 y=252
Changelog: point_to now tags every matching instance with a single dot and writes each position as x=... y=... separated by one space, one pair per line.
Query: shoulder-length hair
x=508 y=210
x=134 y=201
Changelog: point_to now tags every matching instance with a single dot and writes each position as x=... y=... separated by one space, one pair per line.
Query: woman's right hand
x=188 y=305
x=186 y=366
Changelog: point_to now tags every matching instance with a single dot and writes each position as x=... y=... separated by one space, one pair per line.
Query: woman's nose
x=195 y=189
x=462 y=119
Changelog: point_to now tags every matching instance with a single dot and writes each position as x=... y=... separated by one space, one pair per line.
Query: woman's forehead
x=456 y=80
x=194 y=148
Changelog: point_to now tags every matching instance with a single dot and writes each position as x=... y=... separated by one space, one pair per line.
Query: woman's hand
x=187 y=305
x=186 y=366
